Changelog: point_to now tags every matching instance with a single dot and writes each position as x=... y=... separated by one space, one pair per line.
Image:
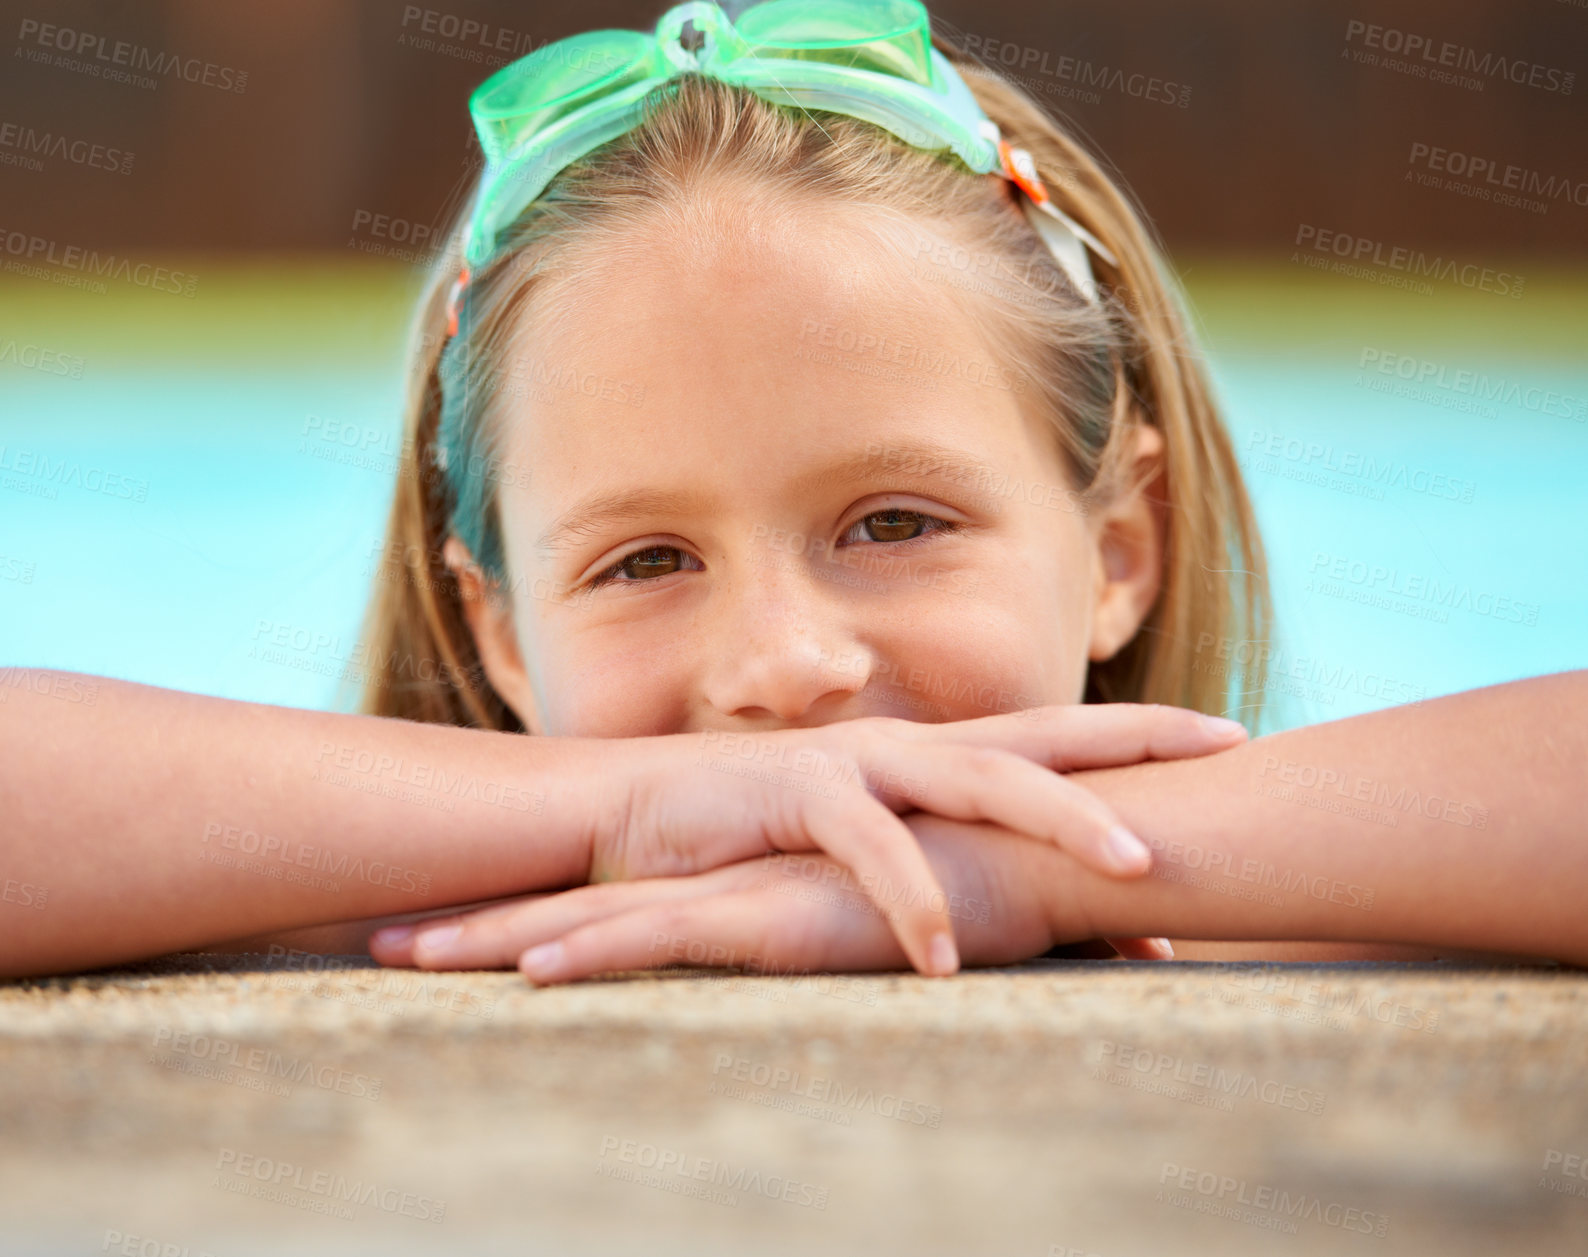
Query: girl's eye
x=896 y=525
x=646 y=564
x=890 y=525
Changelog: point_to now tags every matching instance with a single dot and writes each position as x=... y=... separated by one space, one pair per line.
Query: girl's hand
x=697 y=801
x=685 y=803
x=779 y=914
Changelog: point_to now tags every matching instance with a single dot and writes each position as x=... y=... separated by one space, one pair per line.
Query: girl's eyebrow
x=917 y=459
x=595 y=513
x=913 y=460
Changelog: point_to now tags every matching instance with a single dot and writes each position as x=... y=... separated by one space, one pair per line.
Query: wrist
x=1065 y=887
x=1103 y=906
x=1016 y=896
x=583 y=796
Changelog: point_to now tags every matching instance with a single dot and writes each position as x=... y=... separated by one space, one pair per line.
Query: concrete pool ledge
x=244 y=1104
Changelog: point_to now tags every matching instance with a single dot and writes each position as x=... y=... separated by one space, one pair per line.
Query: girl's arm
x=1456 y=823
x=151 y=820
x=1461 y=822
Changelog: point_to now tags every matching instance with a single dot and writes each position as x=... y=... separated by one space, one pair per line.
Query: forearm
x=153 y=820
x=347 y=938
x=1456 y=823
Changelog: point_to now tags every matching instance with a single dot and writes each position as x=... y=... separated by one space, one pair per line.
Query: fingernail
x=393 y=935
x=1165 y=947
x=540 y=964
x=434 y=943
x=943 y=956
x=1127 y=852
x=1220 y=727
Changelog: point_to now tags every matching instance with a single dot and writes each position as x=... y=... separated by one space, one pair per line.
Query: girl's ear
x=490 y=619
x=1130 y=536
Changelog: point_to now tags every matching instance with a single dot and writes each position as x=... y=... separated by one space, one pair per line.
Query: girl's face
x=776 y=478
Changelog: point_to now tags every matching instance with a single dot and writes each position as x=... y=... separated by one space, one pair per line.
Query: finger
x=744 y=932
x=986 y=783
x=493 y=938
x=857 y=830
x=392 y=944
x=1142 y=948
x=1092 y=735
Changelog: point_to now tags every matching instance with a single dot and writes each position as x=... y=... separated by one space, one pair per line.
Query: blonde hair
x=1098 y=372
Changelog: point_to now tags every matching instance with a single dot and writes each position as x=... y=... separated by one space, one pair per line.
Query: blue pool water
x=254 y=524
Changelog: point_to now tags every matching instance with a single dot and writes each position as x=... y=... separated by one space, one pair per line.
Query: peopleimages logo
x=1559 y=1166
x=853 y=349
x=29 y=146
x=1030 y=65
x=1491 y=179
x=40 y=358
x=117 y=60
x=631 y=1159
x=1425 y=374
x=1377 y=584
x=467 y=32
x=1149 y=1069
x=84 y=267
x=1272 y=447
x=47 y=473
x=1396 y=796
x=824 y=1090
x=249 y=1174
x=1274 y=1206
x=1287 y=995
x=128 y=1245
x=1228 y=656
x=1348 y=254
x=1441 y=60
x=181 y=1046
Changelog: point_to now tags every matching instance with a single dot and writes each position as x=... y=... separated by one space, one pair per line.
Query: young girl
x=799 y=487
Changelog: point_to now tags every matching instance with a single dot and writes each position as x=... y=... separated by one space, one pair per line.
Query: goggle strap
x=1064 y=244
x=1086 y=237
x=455 y=299
x=1065 y=238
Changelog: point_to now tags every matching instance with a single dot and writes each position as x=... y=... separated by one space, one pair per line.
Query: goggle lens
x=884 y=36
x=538 y=90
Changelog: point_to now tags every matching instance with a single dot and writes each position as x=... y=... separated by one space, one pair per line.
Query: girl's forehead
x=799 y=313
x=706 y=272
x=706 y=381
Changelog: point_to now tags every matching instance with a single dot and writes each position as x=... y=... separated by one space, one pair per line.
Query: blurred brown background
x=347 y=109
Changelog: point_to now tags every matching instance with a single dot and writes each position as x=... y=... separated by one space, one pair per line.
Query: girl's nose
x=781 y=641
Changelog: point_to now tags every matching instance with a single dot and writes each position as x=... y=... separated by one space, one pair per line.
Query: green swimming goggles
x=867 y=59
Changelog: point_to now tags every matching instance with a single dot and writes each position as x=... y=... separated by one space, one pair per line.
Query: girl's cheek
x=600 y=698
x=999 y=665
